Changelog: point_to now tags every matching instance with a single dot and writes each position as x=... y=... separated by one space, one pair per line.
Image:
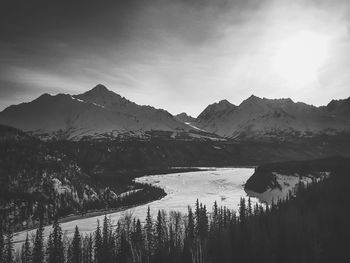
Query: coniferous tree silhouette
x=38 y=249
x=76 y=247
x=26 y=251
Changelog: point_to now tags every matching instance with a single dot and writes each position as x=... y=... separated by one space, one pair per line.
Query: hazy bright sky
x=180 y=55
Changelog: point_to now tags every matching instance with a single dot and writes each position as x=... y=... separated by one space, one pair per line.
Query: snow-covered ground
x=287 y=183
x=224 y=185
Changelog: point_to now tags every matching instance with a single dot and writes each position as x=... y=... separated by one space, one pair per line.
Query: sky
x=179 y=55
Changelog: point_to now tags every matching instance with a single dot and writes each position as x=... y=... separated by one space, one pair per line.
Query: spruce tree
x=138 y=232
x=76 y=247
x=106 y=249
x=159 y=230
x=198 y=219
x=215 y=222
x=250 y=210
x=49 y=247
x=190 y=226
x=149 y=235
x=242 y=210
x=38 y=249
x=98 y=244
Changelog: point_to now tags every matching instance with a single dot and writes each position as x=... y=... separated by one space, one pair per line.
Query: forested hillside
x=37 y=181
x=311 y=226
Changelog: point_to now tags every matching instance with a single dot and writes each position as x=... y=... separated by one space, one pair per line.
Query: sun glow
x=299 y=58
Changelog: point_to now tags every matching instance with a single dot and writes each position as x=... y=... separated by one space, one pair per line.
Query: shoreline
x=75 y=217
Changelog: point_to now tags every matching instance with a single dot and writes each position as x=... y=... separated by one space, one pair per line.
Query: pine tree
x=76 y=247
x=26 y=251
x=38 y=249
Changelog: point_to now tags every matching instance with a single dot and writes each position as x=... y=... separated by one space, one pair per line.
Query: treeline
x=39 y=180
x=312 y=226
x=23 y=211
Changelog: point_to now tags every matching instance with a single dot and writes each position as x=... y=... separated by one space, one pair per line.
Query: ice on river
x=224 y=185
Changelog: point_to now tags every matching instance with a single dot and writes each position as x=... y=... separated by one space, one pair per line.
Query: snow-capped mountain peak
x=262 y=117
x=96 y=112
x=102 y=96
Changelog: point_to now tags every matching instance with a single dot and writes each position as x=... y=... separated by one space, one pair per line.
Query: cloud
x=174 y=54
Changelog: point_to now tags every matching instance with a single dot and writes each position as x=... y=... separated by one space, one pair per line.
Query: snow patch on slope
x=286 y=184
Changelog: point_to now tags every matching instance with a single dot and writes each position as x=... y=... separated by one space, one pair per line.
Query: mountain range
x=261 y=117
x=101 y=113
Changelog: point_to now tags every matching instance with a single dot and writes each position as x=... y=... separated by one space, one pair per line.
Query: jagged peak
x=253 y=97
x=341 y=104
x=224 y=102
x=221 y=103
x=102 y=96
x=347 y=100
x=221 y=106
x=99 y=89
x=47 y=96
x=255 y=100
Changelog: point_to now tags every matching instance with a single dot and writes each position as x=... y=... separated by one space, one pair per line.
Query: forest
x=309 y=226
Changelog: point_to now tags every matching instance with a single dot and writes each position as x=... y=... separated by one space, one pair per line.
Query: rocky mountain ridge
x=102 y=114
x=277 y=118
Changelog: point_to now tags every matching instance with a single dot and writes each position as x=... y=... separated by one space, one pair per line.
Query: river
x=224 y=185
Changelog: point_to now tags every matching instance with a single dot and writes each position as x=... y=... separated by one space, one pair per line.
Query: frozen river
x=224 y=185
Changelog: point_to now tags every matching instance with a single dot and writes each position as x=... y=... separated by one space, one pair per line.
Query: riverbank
x=224 y=185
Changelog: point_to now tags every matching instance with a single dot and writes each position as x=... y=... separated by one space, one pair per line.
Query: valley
x=97 y=153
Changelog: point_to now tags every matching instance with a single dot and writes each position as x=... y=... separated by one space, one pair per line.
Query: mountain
x=183 y=117
x=99 y=112
x=339 y=107
x=207 y=119
x=277 y=118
